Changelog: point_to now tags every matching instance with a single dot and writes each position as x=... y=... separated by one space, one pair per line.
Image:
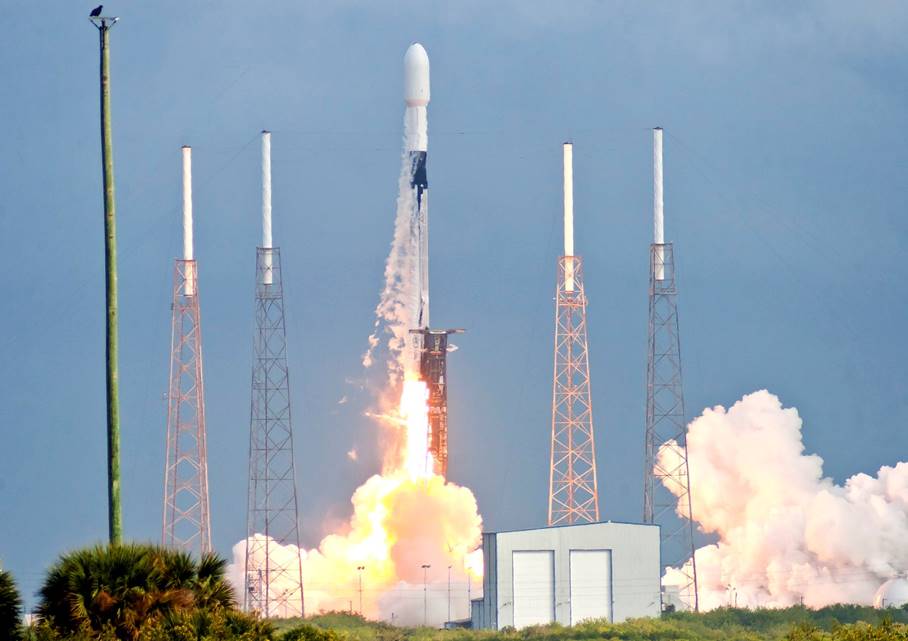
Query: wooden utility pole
x=114 y=514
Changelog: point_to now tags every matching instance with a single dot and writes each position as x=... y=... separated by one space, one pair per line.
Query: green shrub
x=308 y=632
x=204 y=625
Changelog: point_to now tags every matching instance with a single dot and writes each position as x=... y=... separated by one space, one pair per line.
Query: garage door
x=591 y=585
x=534 y=587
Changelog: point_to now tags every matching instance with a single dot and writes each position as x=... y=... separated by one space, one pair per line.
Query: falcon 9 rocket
x=430 y=345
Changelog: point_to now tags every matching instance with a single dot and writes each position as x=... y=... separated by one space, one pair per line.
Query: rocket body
x=416 y=97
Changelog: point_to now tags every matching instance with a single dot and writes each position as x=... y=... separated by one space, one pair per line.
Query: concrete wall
x=635 y=569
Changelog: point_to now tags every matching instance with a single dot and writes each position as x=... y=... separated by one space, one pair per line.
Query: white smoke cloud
x=785 y=531
x=283 y=558
x=395 y=313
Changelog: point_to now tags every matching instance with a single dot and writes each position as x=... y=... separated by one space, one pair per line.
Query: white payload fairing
x=416 y=96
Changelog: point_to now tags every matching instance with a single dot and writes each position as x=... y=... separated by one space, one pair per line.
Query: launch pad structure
x=666 y=484
x=186 y=522
x=573 y=491
x=273 y=571
x=433 y=370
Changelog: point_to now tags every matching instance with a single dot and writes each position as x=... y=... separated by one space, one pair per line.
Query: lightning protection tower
x=573 y=494
x=274 y=572
x=186 y=522
x=666 y=487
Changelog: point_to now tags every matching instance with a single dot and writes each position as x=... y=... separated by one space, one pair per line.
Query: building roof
x=566 y=525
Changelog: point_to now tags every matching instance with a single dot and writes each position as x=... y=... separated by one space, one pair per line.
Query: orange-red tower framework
x=573 y=491
x=186 y=522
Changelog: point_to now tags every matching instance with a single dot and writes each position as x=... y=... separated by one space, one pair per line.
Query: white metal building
x=568 y=574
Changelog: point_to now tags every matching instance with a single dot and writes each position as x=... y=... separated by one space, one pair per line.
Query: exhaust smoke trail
x=407 y=516
x=785 y=532
x=395 y=313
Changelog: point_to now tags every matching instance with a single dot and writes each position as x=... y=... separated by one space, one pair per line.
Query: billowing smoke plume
x=406 y=517
x=395 y=314
x=786 y=533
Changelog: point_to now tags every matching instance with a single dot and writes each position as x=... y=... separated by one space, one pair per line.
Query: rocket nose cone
x=416 y=76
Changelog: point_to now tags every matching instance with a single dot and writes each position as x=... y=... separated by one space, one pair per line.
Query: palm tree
x=128 y=588
x=10 y=608
x=212 y=590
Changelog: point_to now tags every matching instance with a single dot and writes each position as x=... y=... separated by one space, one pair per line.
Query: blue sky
x=785 y=194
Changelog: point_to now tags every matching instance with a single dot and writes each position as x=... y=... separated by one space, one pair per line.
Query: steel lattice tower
x=666 y=488
x=186 y=520
x=573 y=493
x=274 y=573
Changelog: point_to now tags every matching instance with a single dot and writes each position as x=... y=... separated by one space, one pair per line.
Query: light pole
x=469 y=588
x=449 y=593
x=425 y=593
x=469 y=593
x=114 y=520
x=360 y=568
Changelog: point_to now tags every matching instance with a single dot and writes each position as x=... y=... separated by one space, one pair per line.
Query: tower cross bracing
x=186 y=519
x=273 y=573
x=573 y=492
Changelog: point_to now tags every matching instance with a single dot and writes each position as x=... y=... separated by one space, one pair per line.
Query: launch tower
x=433 y=369
x=186 y=521
x=573 y=494
x=666 y=479
x=274 y=572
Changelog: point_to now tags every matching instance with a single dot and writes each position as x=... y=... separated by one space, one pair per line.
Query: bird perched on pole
x=96 y=11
